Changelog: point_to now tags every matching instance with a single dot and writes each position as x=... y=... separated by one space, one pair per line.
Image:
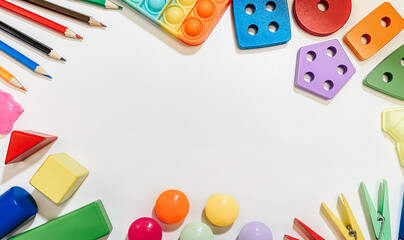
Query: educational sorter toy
x=393 y=125
x=25 y=143
x=59 y=177
x=374 y=31
x=321 y=18
x=261 y=23
x=388 y=76
x=88 y=222
x=191 y=21
x=323 y=68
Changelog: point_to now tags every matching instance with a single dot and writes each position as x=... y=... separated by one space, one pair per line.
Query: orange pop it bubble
x=191 y=21
x=374 y=31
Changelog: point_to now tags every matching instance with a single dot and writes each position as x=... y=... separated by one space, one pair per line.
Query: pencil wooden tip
x=78 y=36
x=23 y=88
x=103 y=25
x=111 y=5
x=48 y=76
x=64 y=60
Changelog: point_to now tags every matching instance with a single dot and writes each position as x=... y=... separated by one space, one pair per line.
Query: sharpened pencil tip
x=103 y=25
x=64 y=60
x=48 y=76
x=78 y=36
x=23 y=88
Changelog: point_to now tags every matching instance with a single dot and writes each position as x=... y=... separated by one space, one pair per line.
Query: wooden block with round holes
x=388 y=76
x=374 y=31
x=261 y=23
x=323 y=68
x=321 y=18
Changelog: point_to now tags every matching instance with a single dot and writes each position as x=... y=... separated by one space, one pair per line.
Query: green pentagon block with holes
x=86 y=223
x=388 y=76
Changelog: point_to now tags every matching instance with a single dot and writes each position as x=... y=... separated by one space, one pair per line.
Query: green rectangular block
x=87 y=223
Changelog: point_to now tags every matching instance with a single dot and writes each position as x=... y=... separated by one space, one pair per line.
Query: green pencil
x=103 y=3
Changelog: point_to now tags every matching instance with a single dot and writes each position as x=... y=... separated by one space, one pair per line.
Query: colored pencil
x=22 y=59
x=29 y=40
x=39 y=19
x=67 y=12
x=11 y=79
x=103 y=3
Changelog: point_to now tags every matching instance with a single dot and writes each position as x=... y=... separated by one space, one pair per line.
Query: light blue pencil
x=23 y=59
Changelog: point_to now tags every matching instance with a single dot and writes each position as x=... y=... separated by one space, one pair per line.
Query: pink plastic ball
x=145 y=229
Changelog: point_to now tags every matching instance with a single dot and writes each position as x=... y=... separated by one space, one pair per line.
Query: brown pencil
x=67 y=12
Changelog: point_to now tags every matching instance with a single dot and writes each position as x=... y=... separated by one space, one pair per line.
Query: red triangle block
x=287 y=237
x=25 y=143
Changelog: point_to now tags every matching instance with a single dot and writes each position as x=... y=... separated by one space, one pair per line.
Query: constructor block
x=88 y=222
x=59 y=177
x=25 y=143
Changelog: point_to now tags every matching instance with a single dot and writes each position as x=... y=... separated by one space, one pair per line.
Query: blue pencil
x=23 y=59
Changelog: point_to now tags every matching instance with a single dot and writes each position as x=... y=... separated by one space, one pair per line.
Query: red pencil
x=39 y=19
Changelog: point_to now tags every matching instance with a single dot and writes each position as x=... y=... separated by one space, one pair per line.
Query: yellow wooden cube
x=59 y=177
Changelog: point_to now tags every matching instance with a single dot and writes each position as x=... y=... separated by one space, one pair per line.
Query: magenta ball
x=255 y=231
x=145 y=229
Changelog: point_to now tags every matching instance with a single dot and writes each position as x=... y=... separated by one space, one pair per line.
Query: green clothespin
x=380 y=218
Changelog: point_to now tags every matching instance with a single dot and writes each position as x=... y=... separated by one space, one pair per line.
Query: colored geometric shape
x=59 y=177
x=10 y=111
x=393 y=125
x=305 y=231
x=323 y=68
x=88 y=222
x=25 y=143
x=191 y=21
x=374 y=31
x=261 y=23
x=321 y=18
x=16 y=207
x=388 y=76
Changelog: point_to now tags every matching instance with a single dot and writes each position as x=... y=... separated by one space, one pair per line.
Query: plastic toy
x=379 y=218
x=374 y=31
x=261 y=23
x=348 y=228
x=10 y=111
x=172 y=206
x=196 y=231
x=16 y=206
x=145 y=229
x=305 y=231
x=255 y=231
x=25 y=143
x=323 y=68
x=191 y=21
x=321 y=18
x=88 y=222
x=221 y=210
x=393 y=125
x=388 y=76
x=59 y=177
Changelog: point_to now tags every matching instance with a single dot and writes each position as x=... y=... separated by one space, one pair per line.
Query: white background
x=146 y=113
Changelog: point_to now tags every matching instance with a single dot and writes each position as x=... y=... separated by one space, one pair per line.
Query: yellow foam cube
x=59 y=177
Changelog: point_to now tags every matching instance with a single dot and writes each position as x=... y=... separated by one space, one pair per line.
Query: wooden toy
x=374 y=31
x=221 y=210
x=88 y=222
x=393 y=125
x=255 y=231
x=172 y=206
x=261 y=23
x=59 y=177
x=196 y=231
x=145 y=229
x=388 y=76
x=191 y=21
x=305 y=231
x=323 y=68
x=4 y=74
x=25 y=143
x=321 y=18
x=348 y=229
x=10 y=111
x=16 y=206
x=379 y=218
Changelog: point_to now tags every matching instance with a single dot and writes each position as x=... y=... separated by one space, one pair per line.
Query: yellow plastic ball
x=221 y=210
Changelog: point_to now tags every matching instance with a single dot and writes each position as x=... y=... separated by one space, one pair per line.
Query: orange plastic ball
x=172 y=206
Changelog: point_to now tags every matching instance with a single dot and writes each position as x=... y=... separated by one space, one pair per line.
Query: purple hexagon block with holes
x=323 y=68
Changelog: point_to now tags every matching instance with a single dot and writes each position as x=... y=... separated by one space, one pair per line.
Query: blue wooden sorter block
x=261 y=23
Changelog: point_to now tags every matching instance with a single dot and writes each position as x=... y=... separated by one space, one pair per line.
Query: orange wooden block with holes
x=374 y=31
